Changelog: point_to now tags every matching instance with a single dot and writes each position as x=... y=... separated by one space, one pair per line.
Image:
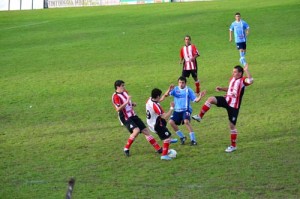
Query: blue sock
x=192 y=136
x=242 y=54
x=180 y=134
x=243 y=61
x=242 y=58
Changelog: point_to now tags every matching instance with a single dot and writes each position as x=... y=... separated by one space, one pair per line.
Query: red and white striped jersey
x=235 y=91
x=120 y=98
x=187 y=53
x=153 y=110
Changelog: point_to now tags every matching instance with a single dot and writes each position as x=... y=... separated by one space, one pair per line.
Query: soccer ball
x=172 y=153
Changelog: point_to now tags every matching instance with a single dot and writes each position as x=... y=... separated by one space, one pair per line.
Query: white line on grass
x=25 y=25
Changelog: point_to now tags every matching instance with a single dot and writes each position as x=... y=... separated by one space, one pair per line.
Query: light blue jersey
x=182 y=98
x=239 y=29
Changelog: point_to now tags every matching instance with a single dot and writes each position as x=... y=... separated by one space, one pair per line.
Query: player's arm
x=194 y=57
x=201 y=95
x=119 y=108
x=181 y=57
x=195 y=53
x=168 y=114
x=249 y=79
x=231 y=28
x=166 y=94
x=181 y=60
x=230 y=35
x=247 y=31
x=218 y=88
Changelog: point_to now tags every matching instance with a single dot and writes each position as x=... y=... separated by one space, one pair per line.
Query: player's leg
x=151 y=140
x=232 y=116
x=134 y=133
x=197 y=82
x=165 y=135
x=242 y=57
x=205 y=108
x=164 y=155
x=242 y=50
x=173 y=125
x=166 y=146
x=191 y=132
x=185 y=73
x=233 y=138
x=174 y=121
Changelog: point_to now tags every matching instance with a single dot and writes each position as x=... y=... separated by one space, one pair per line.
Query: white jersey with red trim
x=120 y=98
x=153 y=110
x=187 y=53
x=235 y=91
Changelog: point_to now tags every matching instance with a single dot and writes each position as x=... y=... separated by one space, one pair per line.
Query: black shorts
x=187 y=73
x=161 y=129
x=122 y=117
x=134 y=122
x=241 y=45
x=232 y=112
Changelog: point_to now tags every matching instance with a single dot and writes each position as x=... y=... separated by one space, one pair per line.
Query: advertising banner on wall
x=143 y=1
x=80 y=3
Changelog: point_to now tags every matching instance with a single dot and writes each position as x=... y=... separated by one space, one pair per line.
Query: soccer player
x=183 y=96
x=156 y=119
x=241 y=31
x=123 y=105
x=188 y=55
x=231 y=101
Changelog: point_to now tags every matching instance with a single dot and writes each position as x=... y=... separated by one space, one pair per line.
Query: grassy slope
x=63 y=63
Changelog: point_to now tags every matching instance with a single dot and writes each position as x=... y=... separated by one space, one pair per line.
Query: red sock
x=152 y=141
x=166 y=147
x=197 y=84
x=204 y=109
x=129 y=142
x=233 y=137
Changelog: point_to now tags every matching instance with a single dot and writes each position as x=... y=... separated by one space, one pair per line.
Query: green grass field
x=57 y=69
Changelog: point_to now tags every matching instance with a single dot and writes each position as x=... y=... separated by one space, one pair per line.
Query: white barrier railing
x=21 y=4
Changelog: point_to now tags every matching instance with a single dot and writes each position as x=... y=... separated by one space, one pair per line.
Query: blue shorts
x=241 y=45
x=179 y=117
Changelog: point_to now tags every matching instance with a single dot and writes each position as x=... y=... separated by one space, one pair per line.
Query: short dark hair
x=238 y=13
x=188 y=37
x=182 y=78
x=155 y=93
x=118 y=83
x=240 y=69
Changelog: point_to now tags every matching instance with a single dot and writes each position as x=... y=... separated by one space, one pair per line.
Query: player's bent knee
x=168 y=140
x=186 y=122
x=212 y=100
x=146 y=131
x=136 y=131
